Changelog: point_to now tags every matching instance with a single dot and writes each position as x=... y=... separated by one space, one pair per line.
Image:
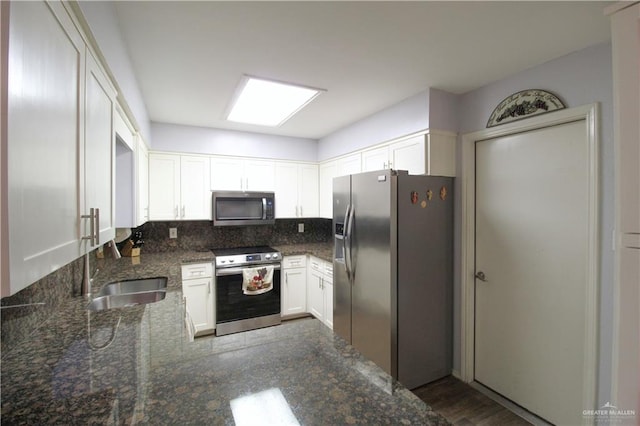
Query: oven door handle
x=220 y=272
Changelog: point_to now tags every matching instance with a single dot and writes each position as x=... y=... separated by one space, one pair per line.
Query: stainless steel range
x=247 y=303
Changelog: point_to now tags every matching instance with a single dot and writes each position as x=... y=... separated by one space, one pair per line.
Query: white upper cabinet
x=195 y=194
x=350 y=164
x=99 y=185
x=296 y=190
x=375 y=159
x=242 y=174
x=179 y=187
x=326 y=172
x=142 y=180
x=60 y=144
x=431 y=154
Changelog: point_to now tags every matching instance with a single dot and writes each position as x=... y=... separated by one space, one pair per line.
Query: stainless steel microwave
x=234 y=208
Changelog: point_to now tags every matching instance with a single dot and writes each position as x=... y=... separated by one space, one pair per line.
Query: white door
x=532 y=230
x=295 y=291
x=409 y=155
x=227 y=174
x=200 y=302
x=259 y=175
x=286 y=190
x=308 y=190
x=376 y=159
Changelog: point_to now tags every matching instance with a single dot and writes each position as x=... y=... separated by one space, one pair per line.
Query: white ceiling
x=189 y=56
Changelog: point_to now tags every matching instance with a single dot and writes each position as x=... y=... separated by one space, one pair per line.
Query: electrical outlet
x=173 y=232
x=301 y=227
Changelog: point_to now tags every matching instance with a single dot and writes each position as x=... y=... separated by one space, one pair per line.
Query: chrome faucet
x=114 y=250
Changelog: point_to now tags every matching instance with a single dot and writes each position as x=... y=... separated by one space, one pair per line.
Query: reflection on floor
x=462 y=405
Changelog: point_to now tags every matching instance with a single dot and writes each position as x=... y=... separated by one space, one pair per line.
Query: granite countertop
x=138 y=365
x=323 y=251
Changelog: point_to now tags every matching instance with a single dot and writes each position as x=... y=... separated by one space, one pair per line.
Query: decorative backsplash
x=28 y=309
x=201 y=235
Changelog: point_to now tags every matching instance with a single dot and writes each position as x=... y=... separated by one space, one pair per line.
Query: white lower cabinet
x=320 y=290
x=294 y=285
x=198 y=290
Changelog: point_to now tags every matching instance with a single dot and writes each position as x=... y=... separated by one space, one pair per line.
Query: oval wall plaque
x=524 y=104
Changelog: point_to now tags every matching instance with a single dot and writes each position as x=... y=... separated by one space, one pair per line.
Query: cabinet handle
x=286 y=278
x=390 y=164
x=97 y=226
x=301 y=214
x=94 y=226
x=241 y=184
x=175 y=212
x=182 y=212
x=384 y=165
x=246 y=183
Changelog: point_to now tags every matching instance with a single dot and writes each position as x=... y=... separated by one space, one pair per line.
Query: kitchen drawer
x=294 y=262
x=328 y=269
x=316 y=264
x=197 y=270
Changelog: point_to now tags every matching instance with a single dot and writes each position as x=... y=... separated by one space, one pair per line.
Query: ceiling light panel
x=269 y=103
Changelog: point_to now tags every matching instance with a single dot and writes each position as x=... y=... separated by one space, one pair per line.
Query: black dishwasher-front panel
x=233 y=305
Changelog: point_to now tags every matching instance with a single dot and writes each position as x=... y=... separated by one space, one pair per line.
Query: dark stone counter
x=323 y=251
x=138 y=365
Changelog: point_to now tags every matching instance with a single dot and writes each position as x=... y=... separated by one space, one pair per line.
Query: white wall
x=204 y=140
x=102 y=19
x=444 y=110
x=409 y=116
x=580 y=78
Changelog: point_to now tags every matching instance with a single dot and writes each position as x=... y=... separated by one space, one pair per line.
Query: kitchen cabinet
x=326 y=172
x=432 y=153
x=99 y=153
x=125 y=171
x=242 y=174
x=199 y=293
x=350 y=164
x=142 y=181
x=296 y=190
x=294 y=285
x=60 y=160
x=179 y=187
x=320 y=290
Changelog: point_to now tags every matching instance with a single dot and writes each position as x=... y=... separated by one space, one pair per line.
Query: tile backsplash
x=201 y=235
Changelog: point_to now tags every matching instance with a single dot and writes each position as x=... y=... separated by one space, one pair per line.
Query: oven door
x=233 y=305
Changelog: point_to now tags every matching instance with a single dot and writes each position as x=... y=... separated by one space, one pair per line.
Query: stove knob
x=231 y=261
x=267 y=256
x=223 y=261
x=275 y=255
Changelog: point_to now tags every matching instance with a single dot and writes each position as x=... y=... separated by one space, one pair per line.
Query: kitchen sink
x=125 y=300
x=139 y=285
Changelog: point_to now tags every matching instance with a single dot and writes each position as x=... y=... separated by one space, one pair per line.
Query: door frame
x=589 y=113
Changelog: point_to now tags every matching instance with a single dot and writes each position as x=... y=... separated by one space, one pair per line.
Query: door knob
x=480 y=275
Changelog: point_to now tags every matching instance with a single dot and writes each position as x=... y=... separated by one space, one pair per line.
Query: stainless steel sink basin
x=134 y=286
x=125 y=300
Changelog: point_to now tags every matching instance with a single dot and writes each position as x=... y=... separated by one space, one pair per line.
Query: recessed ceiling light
x=269 y=103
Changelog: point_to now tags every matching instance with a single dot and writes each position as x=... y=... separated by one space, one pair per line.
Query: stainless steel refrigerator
x=393 y=271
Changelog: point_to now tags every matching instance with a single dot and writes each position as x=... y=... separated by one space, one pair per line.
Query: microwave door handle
x=264 y=208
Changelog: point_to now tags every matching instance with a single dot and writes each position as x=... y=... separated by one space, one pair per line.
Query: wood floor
x=462 y=405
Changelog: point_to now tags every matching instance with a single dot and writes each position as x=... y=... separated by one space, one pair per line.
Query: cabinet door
x=99 y=151
x=315 y=296
x=376 y=159
x=294 y=291
x=286 y=190
x=200 y=302
x=326 y=171
x=259 y=175
x=327 y=285
x=164 y=186
x=409 y=155
x=45 y=68
x=308 y=190
x=142 y=158
x=226 y=174
x=350 y=165
x=195 y=195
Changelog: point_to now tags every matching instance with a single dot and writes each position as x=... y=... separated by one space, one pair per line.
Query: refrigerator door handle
x=348 y=233
x=345 y=245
